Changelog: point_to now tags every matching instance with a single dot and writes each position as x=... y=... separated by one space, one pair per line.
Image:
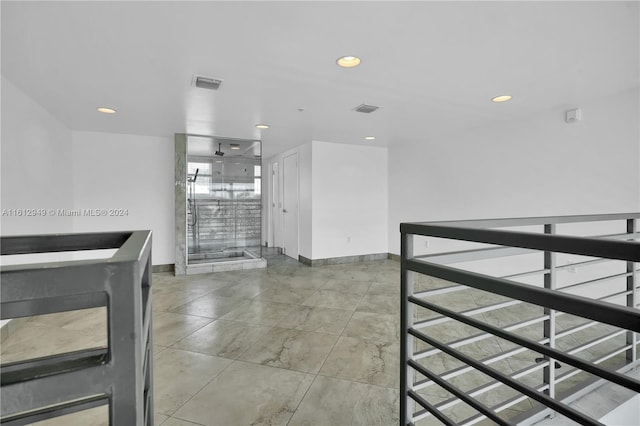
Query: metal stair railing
x=612 y=324
x=119 y=375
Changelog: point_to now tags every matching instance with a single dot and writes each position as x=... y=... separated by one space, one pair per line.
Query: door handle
x=284 y=210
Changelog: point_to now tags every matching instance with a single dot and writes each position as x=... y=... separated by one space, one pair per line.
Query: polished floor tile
x=380 y=304
x=334 y=299
x=169 y=327
x=248 y=394
x=259 y=312
x=291 y=349
x=228 y=339
x=209 y=305
x=338 y=402
x=284 y=294
x=321 y=320
x=347 y=286
x=365 y=361
x=372 y=326
x=179 y=375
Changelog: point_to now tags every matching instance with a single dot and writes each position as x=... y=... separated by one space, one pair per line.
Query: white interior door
x=290 y=205
x=275 y=208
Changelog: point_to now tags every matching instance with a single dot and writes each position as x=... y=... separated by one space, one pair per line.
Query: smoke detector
x=206 y=82
x=367 y=109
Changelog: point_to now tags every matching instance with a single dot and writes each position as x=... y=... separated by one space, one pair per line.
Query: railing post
x=406 y=321
x=550 y=324
x=632 y=282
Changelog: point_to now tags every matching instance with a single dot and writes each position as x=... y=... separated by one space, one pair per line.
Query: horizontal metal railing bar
x=430 y=408
x=501 y=406
x=621 y=236
x=535 y=346
x=616 y=295
x=70 y=278
x=451 y=402
x=499 y=252
x=596 y=281
x=26 y=244
x=482 y=336
x=49 y=390
x=475 y=254
x=51 y=305
x=423 y=384
x=583 y=263
x=589 y=324
x=572 y=330
x=564 y=376
x=459 y=393
x=595 y=342
x=605 y=248
x=133 y=248
x=619 y=316
x=514 y=384
x=526 y=274
x=569 y=395
x=30 y=369
x=440 y=291
x=539 y=220
x=471 y=312
x=56 y=411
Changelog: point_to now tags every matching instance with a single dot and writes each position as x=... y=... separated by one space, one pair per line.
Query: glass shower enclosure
x=223 y=181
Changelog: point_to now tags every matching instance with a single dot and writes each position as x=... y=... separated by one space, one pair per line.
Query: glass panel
x=224 y=199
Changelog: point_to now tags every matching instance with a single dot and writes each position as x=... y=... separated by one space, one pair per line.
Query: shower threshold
x=224 y=260
x=226 y=255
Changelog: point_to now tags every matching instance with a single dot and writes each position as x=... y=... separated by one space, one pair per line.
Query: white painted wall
x=538 y=167
x=350 y=199
x=35 y=151
x=132 y=172
x=342 y=194
x=36 y=165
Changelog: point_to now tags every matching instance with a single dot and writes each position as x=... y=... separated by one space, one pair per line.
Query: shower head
x=219 y=152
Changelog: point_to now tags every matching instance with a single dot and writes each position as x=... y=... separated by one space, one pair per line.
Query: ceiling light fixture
x=106 y=110
x=369 y=138
x=501 y=98
x=262 y=126
x=348 y=61
x=234 y=146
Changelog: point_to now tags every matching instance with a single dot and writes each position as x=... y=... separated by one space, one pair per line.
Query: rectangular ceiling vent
x=367 y=109
x=206 y=82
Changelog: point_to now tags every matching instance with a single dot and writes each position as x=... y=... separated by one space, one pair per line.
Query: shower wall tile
x=180 y=204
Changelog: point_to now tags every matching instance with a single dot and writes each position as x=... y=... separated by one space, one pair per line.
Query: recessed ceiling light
x=106 y=110
x=348 y=61
x=234 y=146
x=262 y=126
x=369 y=138
x=502 y=98
x=218 y=161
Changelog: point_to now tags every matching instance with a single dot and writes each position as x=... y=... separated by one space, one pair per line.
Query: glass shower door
x=223 y=199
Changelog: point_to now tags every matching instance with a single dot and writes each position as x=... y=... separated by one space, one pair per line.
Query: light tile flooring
x=286 y=345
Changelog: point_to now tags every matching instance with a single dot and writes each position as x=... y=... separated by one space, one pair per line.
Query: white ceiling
x=432 y=67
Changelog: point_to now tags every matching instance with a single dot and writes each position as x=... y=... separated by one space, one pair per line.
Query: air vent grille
x=207 y=82
x=364 y=108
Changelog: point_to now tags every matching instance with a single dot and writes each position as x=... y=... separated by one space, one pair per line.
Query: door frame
x=296 y=178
